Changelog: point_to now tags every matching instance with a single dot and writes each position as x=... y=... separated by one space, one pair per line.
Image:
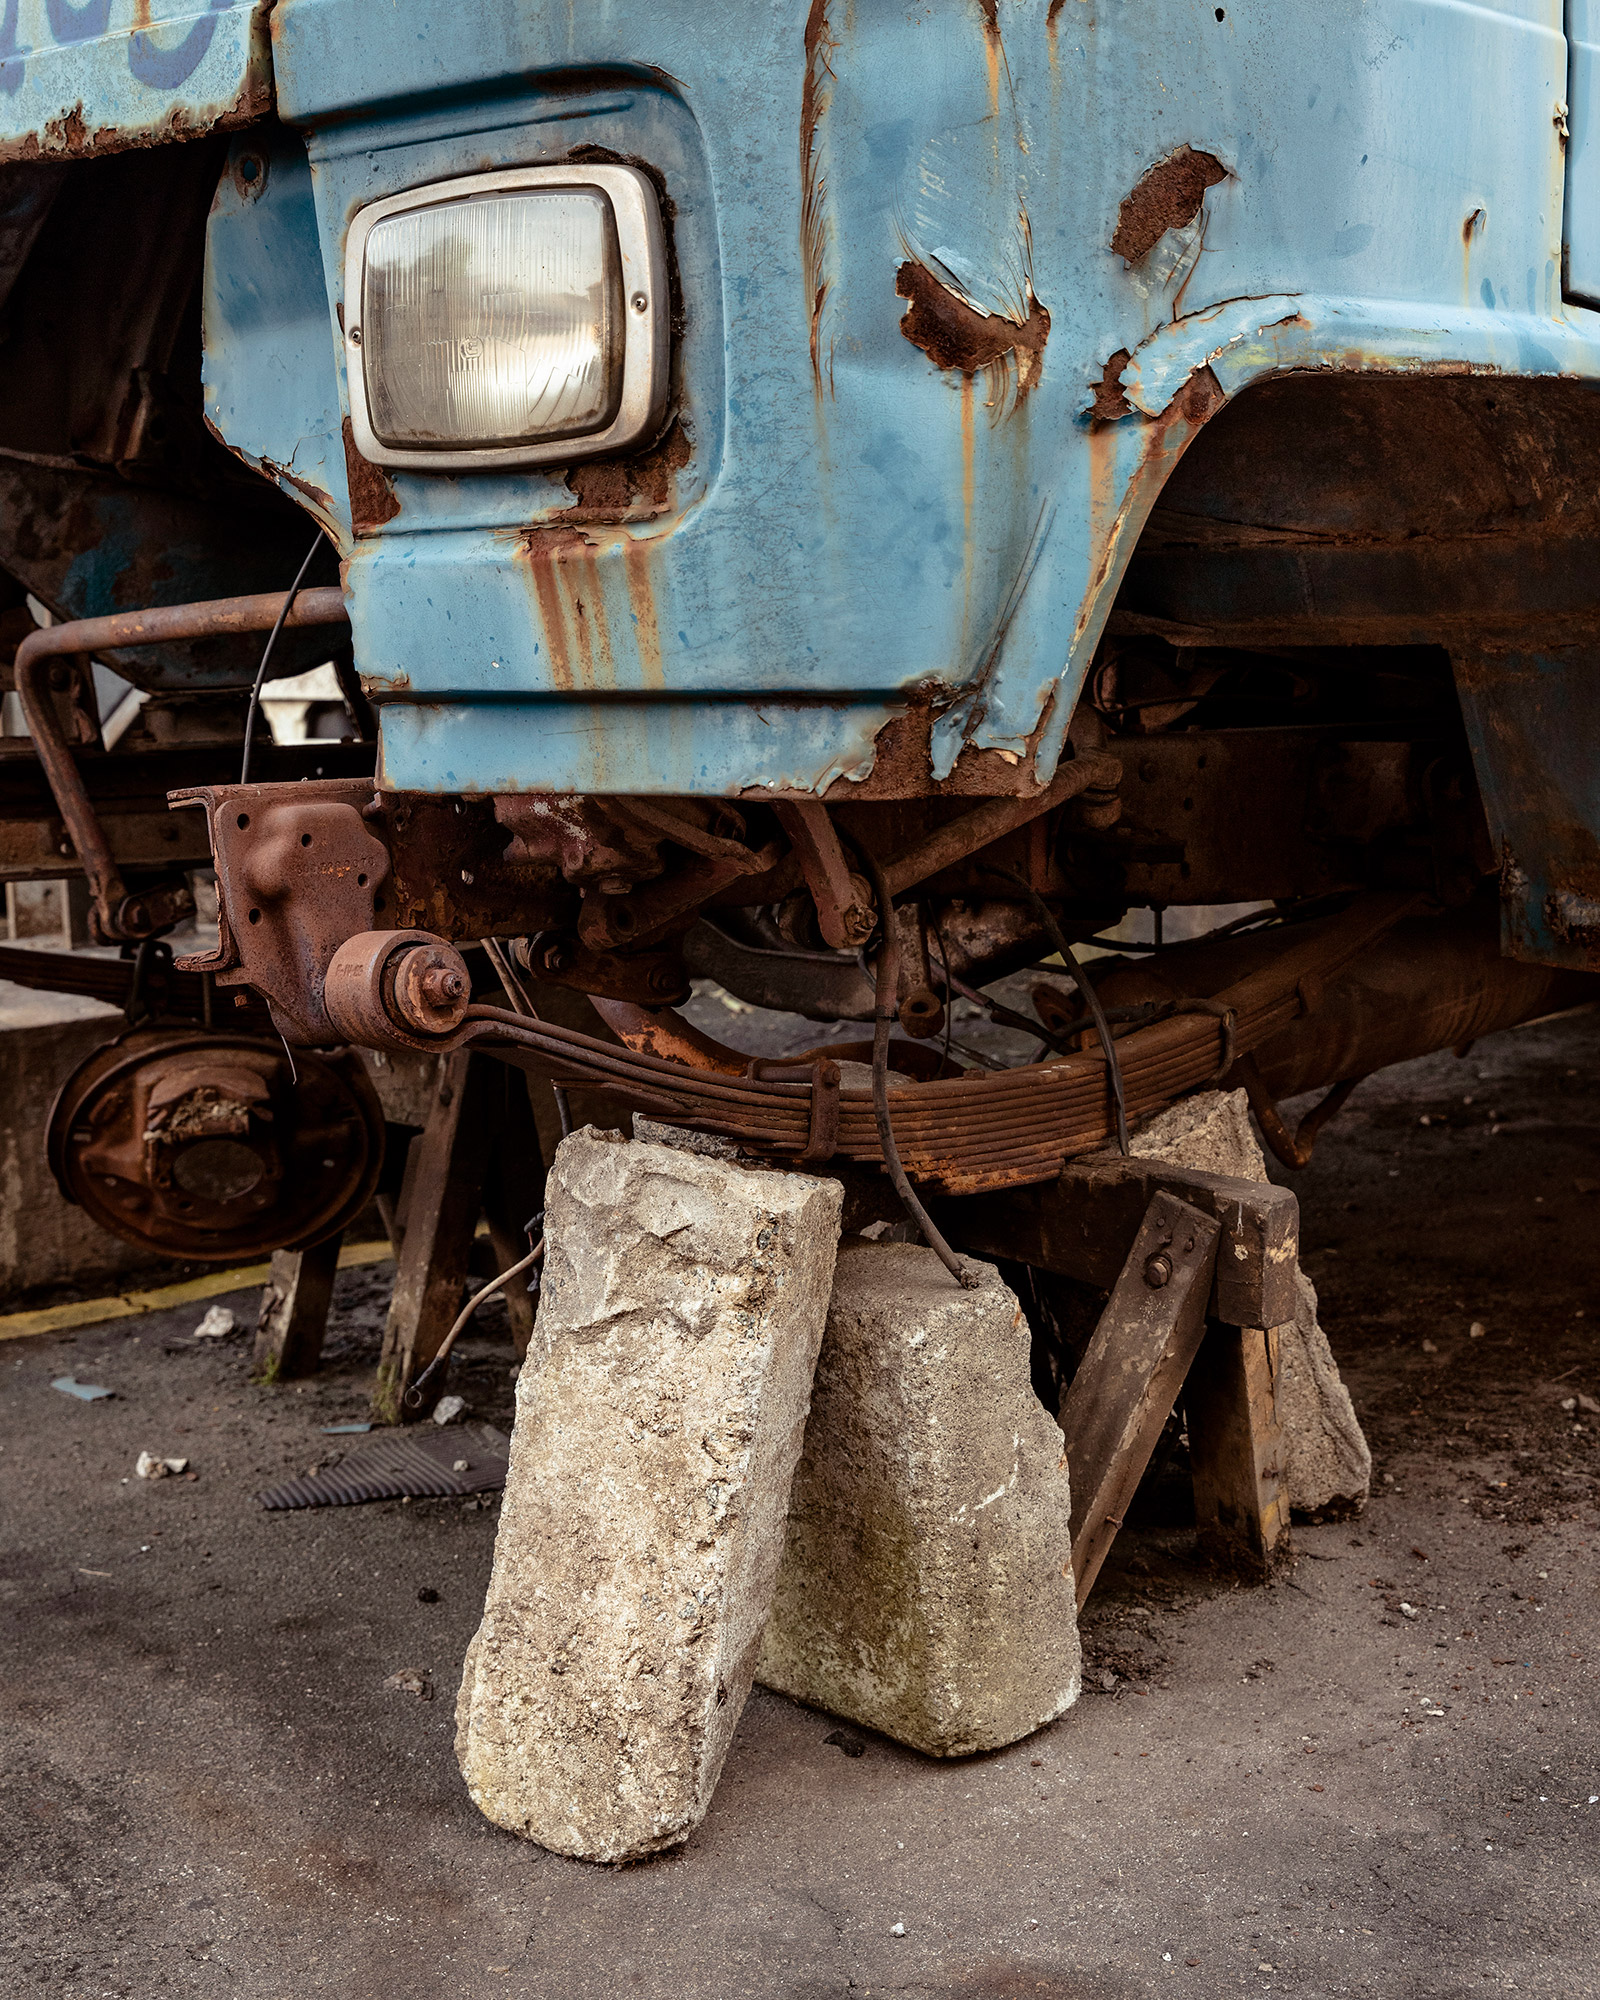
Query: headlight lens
x=492 y=321
x=510 y=318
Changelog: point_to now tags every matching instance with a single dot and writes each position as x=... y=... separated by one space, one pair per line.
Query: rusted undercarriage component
x=598 y=892
x=49 y=650
x=216 y=1146
x=954 y=1136
x=128 y=788
x=1310 y=1002
x=1432 y=982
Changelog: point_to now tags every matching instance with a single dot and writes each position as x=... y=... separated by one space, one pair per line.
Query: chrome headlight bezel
x=641 y=247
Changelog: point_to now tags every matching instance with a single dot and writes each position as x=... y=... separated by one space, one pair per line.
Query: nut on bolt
x=1158 y=1270
x=429 y=990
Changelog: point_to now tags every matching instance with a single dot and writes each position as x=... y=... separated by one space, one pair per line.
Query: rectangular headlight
x=515 y=318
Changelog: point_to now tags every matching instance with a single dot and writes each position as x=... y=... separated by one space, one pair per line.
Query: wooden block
x=445 y=1176
x=1080 y=1226
x=1236 y=1448
x=294 y=1311
x=1131 y=1373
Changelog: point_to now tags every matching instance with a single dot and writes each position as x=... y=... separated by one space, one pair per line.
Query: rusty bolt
x=555 y=958
x=1158 y=1270
x=429 y=988
x=663 y=979
x=441 y=985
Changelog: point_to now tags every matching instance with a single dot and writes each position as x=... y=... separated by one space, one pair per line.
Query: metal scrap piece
x=440 y=1465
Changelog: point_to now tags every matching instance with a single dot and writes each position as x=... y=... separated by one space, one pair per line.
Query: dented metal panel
x=82 y=77
x=959 y=281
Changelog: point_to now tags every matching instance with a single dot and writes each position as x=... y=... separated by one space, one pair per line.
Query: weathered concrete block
x=1326 y=1458
x=660 y=1411
x=44 y=1238
x=926 y=1587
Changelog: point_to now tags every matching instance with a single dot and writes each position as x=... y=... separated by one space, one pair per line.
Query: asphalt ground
x=1379 y=1776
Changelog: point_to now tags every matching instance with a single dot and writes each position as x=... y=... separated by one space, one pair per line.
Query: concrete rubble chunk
x=660 y=1412
x=1326 y=1456
x=926 y=1588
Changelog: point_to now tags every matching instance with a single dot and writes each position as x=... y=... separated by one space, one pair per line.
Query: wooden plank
x=1132 y=1370
x=1080 y=1226
x=445 y=1175
x=294 y=1311
x=1236 y=1448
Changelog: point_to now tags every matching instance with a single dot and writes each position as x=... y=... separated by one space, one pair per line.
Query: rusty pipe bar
x=1089 y=771
x=31 y=674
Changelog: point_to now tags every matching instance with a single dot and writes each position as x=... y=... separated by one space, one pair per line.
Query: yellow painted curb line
x=128 y=1305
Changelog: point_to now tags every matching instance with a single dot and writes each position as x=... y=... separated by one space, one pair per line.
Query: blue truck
x=845 y=498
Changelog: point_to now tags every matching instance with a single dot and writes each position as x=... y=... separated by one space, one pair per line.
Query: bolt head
x=1158 y=1270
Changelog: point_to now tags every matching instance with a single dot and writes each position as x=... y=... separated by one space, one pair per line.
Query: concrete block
x=1326 y=1458
x=660 y=1411
x=926 y=1587
x=44 y=1239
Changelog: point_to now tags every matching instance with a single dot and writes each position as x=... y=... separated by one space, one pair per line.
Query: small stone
x=926 y=1588
x=1428 y=1347
x=447 y=1409
x=897 y=1930
x=660 y=1412
x=149 y=1466
x=217 y=1324
x=1477 y=1330
x=411 y=1680
x=1569 y=1402
x=1588 y=1405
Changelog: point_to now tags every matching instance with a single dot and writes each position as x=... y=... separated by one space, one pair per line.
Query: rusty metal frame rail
x=118 y=915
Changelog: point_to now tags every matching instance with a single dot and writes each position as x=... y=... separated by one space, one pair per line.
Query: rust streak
x=957 y=336
x=814 y=100
x=1166 y=196
x=641 y=596
x=576 y=580
x=605 y=662
x=992 y=53
x=546 y=548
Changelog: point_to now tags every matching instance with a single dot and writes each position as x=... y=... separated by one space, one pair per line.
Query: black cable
x=266 y=655
x=883 y=1009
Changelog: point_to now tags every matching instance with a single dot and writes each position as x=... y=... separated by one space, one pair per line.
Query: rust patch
x=314 y=493
x=1167 y=196
x=622 y=489
x=955 y=335
x=1052 y=19
x=1110 y=398
x=814 y=101
x=68 y=136
x=372 y=498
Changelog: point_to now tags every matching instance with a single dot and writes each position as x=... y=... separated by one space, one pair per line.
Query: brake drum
x=216 y=1146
